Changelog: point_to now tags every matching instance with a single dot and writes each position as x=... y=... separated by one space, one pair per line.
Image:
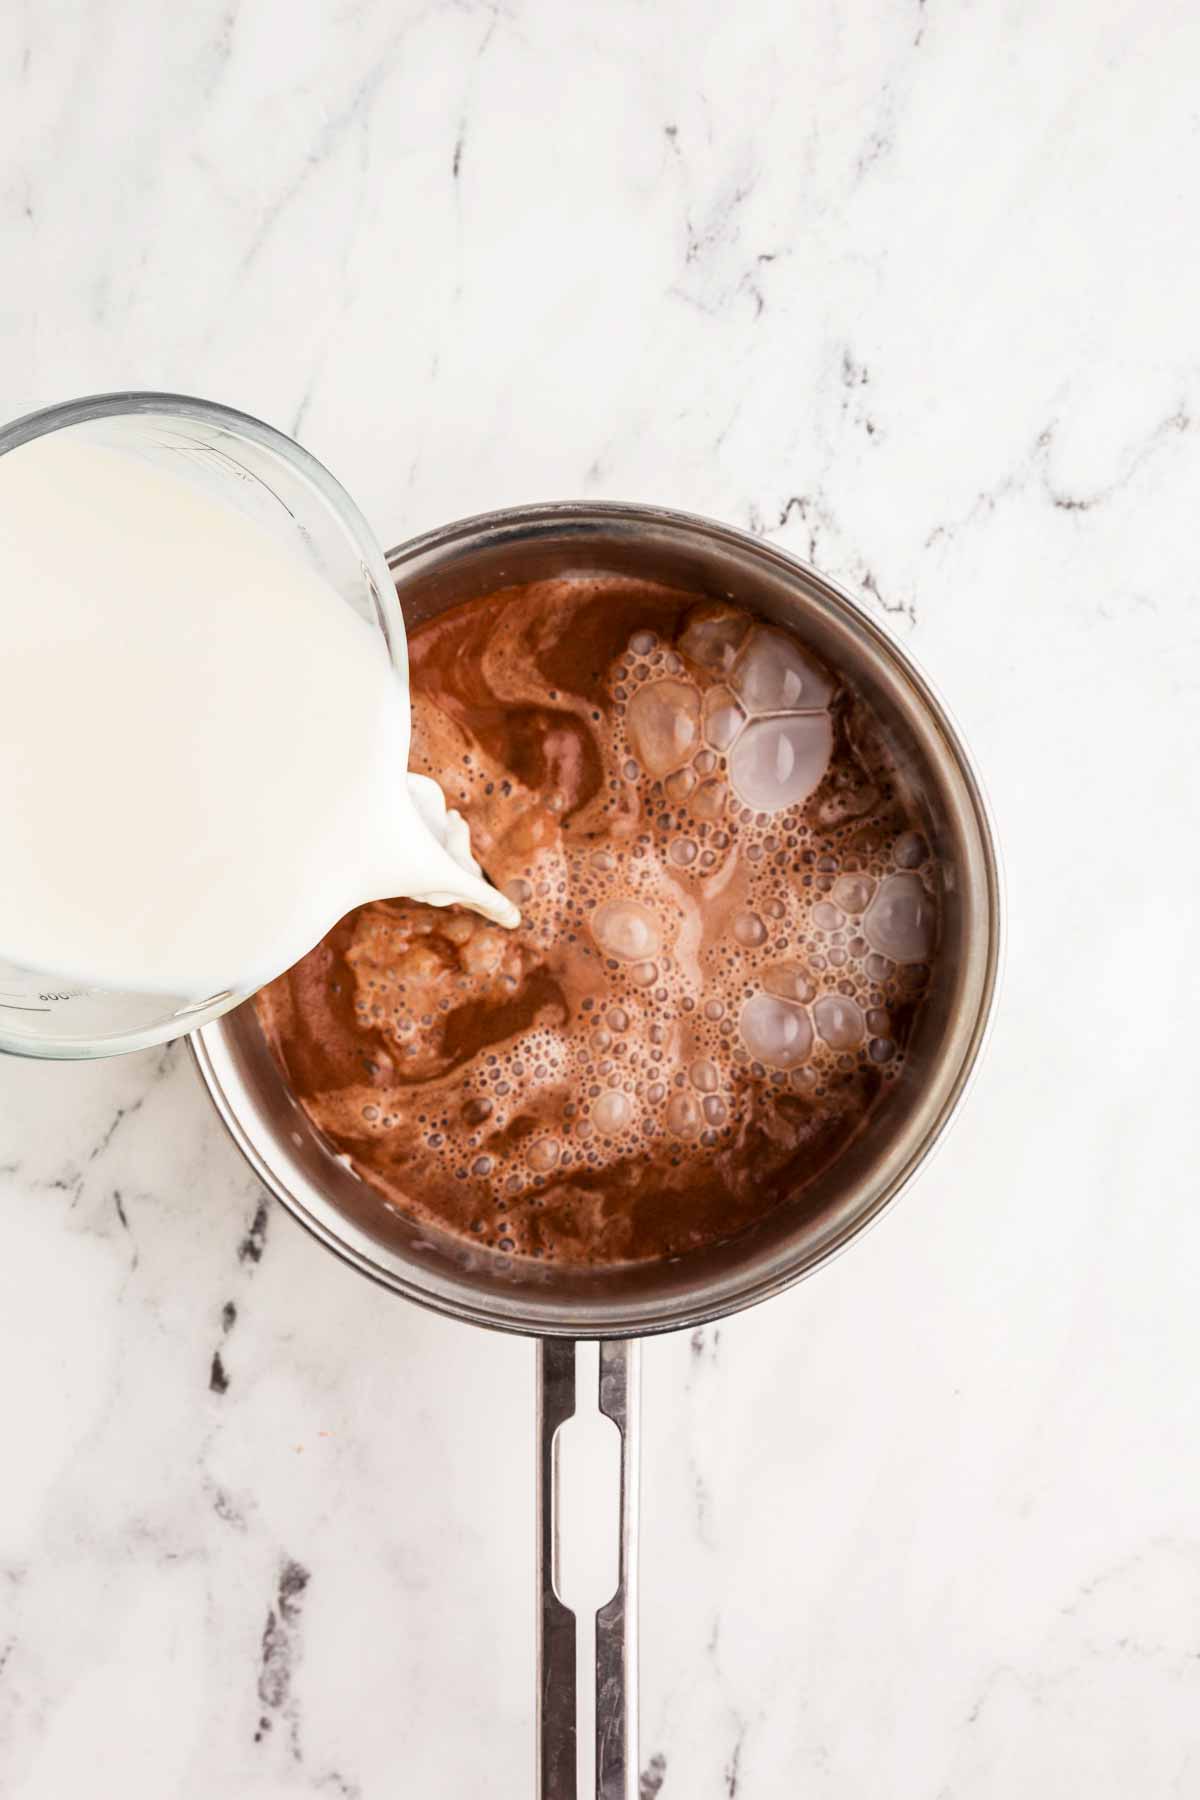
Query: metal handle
x=616 y=1621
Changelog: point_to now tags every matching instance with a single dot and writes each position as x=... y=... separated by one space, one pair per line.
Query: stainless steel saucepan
x=618 y=1305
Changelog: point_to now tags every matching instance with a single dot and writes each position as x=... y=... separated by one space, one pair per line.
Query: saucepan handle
x=616 y=1622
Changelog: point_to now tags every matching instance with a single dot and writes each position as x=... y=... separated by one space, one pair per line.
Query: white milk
x=202 y=748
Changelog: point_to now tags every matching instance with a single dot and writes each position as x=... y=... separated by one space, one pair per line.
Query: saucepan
x=618 y=1305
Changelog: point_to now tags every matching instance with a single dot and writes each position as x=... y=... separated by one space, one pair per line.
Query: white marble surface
x=910 y=288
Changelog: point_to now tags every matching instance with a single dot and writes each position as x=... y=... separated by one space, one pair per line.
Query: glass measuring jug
x=272 y=482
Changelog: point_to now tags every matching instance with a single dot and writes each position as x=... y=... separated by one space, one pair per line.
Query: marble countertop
x=910 y=289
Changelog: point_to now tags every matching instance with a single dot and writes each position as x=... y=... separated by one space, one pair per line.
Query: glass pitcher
x=272 y=480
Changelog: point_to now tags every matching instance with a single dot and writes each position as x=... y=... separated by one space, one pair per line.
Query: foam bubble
x=683 y=1114
x=612 y=1111
x=788 y=982
x=839 y=1021
x=773 y=674
x=664 y=724
x=901 y=920
x=544 y=1154
x=626 y=930
x=776 y=1032
x=709 y=802
x=910 y=850
x=777 y=763
x=679 y=784
x=853 y=893
x=704 y=1076
x=712 y=635
x=749 y=930
x=723 y=718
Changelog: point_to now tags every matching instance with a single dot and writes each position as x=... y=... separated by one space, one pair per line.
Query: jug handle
x=615 y=1672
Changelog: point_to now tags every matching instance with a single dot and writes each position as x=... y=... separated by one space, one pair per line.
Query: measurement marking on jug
x=11 y=1006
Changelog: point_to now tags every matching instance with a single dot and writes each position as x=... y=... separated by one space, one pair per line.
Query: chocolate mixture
x=728 y=919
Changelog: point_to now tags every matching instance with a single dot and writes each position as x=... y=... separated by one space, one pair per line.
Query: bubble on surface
x=749 y=930
x=642 y=643
x=839 y=1021
x=788 y=982
x=679 y=785
x=773 y=674
x=723 y=718
x=664 y=724
x=544 y=1154
x=827 y=916
x=777 y=763
x=644 y=973
x=626 y=930
x=612 y=1111
x=853 y=893
x=704 y=1076
x=712 y=635
x=776 y=1032
x=683 y=1114
x=709 y=802
x=682 y=852
x=901 y=920
x=910 y=850
x=714 y=1108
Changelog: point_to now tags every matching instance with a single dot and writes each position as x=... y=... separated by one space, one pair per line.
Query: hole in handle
x=587 y=1477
